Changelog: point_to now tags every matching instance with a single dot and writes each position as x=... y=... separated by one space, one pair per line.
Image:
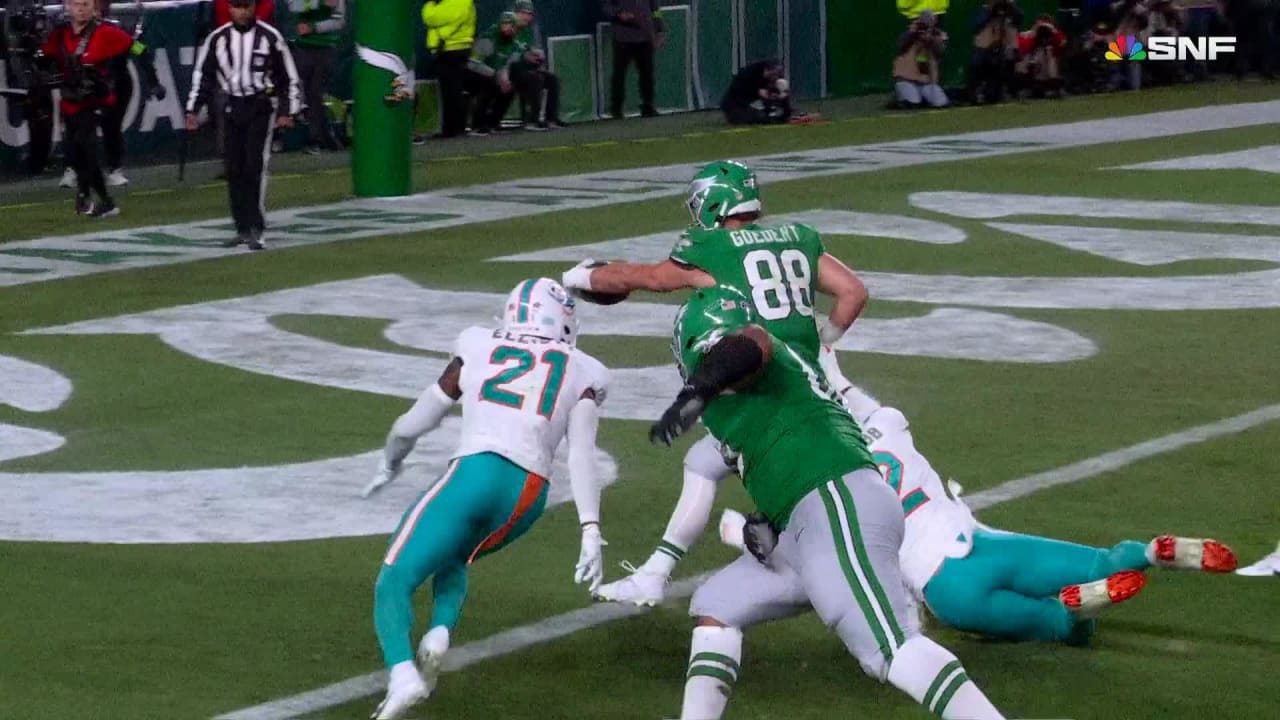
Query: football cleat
x=404 y=690
x=1269 y=565
x=1179 y=553
x=431 y=656
x=1087 y=599
x=641 y=588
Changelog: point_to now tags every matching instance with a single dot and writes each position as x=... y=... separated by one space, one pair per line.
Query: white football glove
x=383 y=477
x=731 y=524
x=828 y=333
x=590 y=565
x=578 y=277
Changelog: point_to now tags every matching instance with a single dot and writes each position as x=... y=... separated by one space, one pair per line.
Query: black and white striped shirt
x=245 y=62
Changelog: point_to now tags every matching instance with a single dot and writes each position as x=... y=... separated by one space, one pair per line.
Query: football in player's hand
x=599 y=298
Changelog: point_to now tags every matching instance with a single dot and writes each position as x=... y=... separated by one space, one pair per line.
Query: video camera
x=26 y=25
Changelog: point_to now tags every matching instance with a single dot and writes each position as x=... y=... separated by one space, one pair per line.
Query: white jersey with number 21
x=517 y=391
x=938 y=525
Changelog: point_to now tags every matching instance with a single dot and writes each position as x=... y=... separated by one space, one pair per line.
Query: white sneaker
x=116 y=178
x=404 y=690
x=431 y=656
x=1269 y=565
x=641 y=587
x=68 y=178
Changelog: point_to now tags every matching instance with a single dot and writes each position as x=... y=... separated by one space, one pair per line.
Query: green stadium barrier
x=761 y=30
x=573 y=59
x=673 y=80
x=715 y=55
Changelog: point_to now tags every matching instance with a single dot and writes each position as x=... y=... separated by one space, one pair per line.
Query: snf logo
x=1129 y=47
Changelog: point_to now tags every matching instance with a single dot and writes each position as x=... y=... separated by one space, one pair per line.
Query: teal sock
x=1126 y=555
x=449 y=591
x=393 y=615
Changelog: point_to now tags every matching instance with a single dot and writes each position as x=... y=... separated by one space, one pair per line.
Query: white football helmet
x=543 y=308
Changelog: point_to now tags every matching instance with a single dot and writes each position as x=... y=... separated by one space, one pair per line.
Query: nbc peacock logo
x=1126 y=47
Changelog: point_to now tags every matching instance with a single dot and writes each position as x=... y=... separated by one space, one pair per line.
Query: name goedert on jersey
x=765 y=236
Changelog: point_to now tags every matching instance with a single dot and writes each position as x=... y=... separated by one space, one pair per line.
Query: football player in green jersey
x=779 y=267
x=829 y=528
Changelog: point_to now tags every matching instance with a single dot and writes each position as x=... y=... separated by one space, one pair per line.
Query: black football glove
x=678 y=418
x=759 y=537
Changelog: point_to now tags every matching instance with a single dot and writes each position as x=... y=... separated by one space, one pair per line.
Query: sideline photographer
x=83 y=51
x=28 y=87
x=1039 y=53
x=915 y=69
x=995 y=44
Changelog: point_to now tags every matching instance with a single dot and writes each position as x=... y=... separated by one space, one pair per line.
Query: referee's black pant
x=246 y=151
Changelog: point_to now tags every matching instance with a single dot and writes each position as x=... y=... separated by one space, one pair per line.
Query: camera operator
x=1039 y=51
x=29 y=89
x=995 y=45
x=83 y=51
x=758 y=95
x=1167 y=21
x=915 y=69
x=113 y=116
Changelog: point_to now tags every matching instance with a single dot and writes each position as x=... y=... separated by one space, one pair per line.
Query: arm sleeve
x=423 y=417
x=337 y=21
x=203 y=76
x=658 y=24
x=584 y=420
x=108 y=42
x=50 y=46
x=145 y=61
x=286 y=76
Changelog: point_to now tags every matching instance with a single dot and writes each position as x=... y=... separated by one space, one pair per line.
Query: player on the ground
x=524 y=387
x=833 y=526
x=972 y=577
x=779 y=267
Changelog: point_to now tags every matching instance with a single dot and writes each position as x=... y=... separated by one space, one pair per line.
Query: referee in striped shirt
x=250 y=61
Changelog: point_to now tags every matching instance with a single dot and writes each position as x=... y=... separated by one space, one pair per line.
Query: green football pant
x=1007 y=587
x=481 y=504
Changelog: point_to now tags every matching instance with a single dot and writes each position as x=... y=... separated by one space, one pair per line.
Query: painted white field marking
x=558 y=626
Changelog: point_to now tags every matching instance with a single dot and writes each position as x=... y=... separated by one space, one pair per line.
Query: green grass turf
x=190 y=631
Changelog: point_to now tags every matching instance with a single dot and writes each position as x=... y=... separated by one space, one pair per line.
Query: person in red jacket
x=82 y=51
x=265 y=10
x=1039 y=50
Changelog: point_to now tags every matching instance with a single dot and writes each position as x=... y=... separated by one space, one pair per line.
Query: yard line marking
x=1116 y=459
x=558 y=626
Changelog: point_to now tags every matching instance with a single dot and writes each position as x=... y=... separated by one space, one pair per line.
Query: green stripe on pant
x=868 y=570
x=846 y=564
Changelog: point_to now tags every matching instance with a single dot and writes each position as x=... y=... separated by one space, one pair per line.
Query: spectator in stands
x=915 y=69
x=491 y=74
x=995 y=46
x=1165 y=20
x=318 y=26
x=1251 y=21
x=451 y=31
x=545 y=84
x=758 y=95
x=637 y=34
x=1039 y=53
x=1132 y=20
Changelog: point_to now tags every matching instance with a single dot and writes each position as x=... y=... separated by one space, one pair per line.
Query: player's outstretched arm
x=423 y=417
x=732 y=362
x=850 y=295
x=617 y=278
x=584 y=421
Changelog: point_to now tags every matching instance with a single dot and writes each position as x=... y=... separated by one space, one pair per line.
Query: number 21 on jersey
x=516 y=362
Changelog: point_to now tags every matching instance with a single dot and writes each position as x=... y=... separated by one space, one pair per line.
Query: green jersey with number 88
x=775 y=266
x=788 y=427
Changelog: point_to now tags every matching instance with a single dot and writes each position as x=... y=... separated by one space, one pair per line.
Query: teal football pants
x=1007 y=587
x=481 y=504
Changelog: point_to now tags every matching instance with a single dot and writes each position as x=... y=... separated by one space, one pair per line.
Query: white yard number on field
x=779 y=282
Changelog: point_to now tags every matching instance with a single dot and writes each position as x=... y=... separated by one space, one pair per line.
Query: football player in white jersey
x=524 y=387
x=972 y=577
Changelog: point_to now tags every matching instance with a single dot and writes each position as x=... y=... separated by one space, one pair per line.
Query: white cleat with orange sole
x=1088 y=599
x=1179 y=553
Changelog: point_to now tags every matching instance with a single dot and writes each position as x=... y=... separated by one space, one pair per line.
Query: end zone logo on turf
x=1129 y=47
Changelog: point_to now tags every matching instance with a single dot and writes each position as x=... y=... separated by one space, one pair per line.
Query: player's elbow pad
x=731 y=360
